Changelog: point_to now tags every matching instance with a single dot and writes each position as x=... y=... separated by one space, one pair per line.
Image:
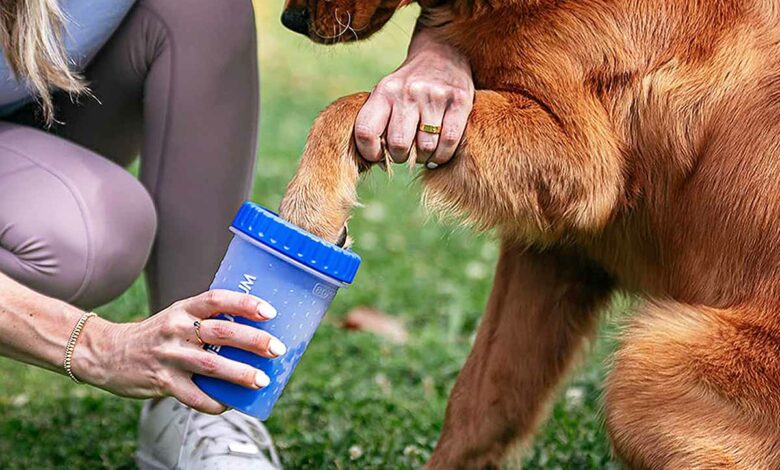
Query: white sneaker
x=172 y=436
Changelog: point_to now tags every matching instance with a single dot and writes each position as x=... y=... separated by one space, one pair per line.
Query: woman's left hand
x=433 y=87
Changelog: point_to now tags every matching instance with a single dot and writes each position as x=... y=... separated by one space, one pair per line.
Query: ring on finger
x=197 y=332
x=429 y=128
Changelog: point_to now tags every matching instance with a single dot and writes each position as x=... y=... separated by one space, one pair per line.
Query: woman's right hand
x=157 y=357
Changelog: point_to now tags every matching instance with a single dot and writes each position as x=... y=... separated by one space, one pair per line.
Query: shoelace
x=230 y=427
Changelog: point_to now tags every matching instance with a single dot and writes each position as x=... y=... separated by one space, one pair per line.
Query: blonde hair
x=31 y=33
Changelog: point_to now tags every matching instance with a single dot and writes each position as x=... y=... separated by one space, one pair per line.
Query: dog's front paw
x=314 y=217
x=321 y=196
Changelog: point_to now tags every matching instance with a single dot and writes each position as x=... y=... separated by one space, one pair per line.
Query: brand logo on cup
x=322 y=291
x=247 y=283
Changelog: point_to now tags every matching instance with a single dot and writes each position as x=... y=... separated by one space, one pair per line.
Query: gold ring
x=429 y=129
x=197 y=331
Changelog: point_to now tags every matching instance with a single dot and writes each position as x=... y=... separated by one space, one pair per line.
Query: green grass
x=355 y=401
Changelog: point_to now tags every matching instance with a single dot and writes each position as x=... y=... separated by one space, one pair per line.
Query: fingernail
x=261 y=379
x=266 y=310
x=431 y=165
x=276 y=347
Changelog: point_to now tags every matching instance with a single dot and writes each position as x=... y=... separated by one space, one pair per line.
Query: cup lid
x=268 y=228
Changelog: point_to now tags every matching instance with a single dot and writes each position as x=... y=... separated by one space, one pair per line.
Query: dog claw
x=342 y=238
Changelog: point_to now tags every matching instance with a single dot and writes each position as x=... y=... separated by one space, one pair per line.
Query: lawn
x=355 y=401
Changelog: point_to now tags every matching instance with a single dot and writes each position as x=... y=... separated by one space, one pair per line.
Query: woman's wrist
x=425 y=42
x=92 y=356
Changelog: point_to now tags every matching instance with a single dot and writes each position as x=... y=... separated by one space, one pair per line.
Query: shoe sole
x=148 y=463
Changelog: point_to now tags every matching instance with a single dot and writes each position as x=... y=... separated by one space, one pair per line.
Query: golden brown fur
x=614 y=144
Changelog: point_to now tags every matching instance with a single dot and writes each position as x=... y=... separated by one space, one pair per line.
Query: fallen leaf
x=377 y=322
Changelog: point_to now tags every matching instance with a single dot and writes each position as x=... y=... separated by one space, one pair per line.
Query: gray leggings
x=176 y=84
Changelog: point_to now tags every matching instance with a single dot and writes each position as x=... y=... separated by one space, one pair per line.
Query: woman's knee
x=72 y=225
x=121 y=226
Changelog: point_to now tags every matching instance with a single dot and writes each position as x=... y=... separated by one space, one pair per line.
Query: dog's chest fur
x=683 y=82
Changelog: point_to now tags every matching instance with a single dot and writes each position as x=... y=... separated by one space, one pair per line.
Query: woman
x=176 y=82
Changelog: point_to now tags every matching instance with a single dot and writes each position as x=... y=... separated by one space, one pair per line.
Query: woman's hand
x=158 y=356
x=434 y=87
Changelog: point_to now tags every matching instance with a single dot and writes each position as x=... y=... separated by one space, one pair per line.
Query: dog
x=614 y=146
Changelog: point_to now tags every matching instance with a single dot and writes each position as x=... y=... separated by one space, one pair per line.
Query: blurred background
x=357 y=400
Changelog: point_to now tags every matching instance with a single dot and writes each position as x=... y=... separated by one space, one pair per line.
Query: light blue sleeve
x=89 y=25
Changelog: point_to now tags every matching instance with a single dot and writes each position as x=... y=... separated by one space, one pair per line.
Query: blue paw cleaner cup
x=294 y=271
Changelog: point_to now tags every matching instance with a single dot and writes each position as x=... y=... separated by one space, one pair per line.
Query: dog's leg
x=697 y=388
x=322 y=193
x=535 y=170
x=543 y=307
x=522 y=167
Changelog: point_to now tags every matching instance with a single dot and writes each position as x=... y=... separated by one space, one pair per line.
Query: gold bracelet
x=74 y=336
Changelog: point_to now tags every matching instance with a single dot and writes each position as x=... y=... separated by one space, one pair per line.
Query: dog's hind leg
x=696 y=388
x=543 y=307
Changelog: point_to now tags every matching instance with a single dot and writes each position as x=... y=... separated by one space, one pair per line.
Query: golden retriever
x=628 y=145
